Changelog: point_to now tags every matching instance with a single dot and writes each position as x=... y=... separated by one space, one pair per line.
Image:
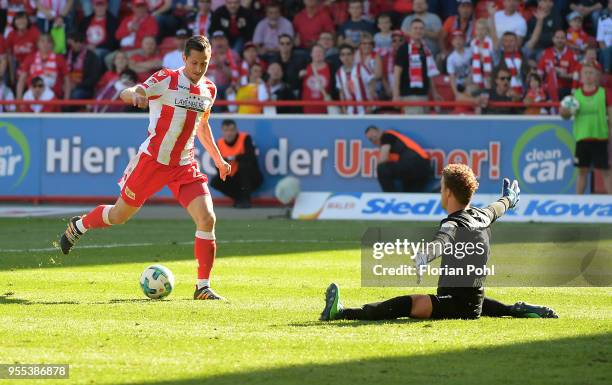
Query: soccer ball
x=571 y=103
x=157 y=281
x=287 y=189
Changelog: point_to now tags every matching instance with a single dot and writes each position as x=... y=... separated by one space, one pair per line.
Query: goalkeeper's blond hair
x=461 y=181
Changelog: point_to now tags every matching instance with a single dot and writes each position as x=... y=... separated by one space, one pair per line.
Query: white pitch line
x=116 y=245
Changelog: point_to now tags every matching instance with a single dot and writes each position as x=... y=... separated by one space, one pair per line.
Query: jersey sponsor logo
x=193 y=102
x=14 y=155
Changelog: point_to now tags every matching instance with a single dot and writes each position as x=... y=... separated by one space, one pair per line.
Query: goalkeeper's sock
x=204 y=249
x=390 y=309
x=493 y=308
x=96 y=218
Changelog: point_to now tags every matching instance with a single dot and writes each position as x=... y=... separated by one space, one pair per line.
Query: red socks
x=97 y=218
x=205 y=249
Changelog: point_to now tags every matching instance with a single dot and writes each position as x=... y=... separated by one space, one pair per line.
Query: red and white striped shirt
x=353 y=86
x=176 y=108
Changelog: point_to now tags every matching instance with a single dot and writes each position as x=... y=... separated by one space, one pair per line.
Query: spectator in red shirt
x=147 y=62
x=577 y=39
x=136 y=27
x=589 y=59
x=21 y=41
x=557 y=66
x=46 y=64
x=316 y=80
x=39 y=91
x=310 y=22
x=99 y=28
x=12 y=8
x=120 y=64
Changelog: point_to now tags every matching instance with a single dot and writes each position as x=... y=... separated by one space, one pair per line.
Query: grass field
x=87 y=310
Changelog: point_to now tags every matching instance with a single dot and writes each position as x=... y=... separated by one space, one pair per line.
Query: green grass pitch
x=86 y=309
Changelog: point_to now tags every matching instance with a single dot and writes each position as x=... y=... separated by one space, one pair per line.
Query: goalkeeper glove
x=511 y=191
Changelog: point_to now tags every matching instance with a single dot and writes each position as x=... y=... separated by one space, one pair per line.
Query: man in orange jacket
x=238 y=150
x=401 y=159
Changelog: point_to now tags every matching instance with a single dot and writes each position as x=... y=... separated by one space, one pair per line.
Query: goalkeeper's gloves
x=420 y=259
x=511 y=191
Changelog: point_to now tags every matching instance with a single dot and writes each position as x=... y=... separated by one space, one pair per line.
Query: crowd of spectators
x=354 y=50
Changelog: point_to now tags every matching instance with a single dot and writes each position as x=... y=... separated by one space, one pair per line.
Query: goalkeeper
x=453 y=300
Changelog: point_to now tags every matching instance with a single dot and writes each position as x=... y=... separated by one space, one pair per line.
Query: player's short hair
x=461 y=181
x=509 y=33
x=198 y=43
x=228 y=122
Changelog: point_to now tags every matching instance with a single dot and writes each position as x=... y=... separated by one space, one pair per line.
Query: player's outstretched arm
x=205 y=136
x=135 y=96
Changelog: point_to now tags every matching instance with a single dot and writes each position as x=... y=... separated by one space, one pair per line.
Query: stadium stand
x=121 y=26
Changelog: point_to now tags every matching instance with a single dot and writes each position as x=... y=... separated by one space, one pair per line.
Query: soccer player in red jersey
x=179 y=103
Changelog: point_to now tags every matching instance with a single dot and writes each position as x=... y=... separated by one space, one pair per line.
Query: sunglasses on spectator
x=504 y=78
x=286 y=42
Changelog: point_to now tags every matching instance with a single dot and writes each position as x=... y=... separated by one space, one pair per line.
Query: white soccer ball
x=287 y=189
x=157 y=281
x=571 y=103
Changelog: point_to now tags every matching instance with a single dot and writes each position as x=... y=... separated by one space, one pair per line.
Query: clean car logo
x=543 y=156
x=14 y=156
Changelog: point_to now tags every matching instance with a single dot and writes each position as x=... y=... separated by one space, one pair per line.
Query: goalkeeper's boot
x=70 y=236
x=333 y=308
x=206 y=293
x=525 y=310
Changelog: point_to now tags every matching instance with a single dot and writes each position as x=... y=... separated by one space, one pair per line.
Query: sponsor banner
x=85 y=155
x=427 y=207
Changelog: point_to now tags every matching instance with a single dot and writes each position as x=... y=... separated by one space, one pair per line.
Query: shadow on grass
x=577 y=360
x=9 y=300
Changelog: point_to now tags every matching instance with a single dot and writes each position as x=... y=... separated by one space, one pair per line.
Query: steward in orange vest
x=238 y=150
x=401 y=160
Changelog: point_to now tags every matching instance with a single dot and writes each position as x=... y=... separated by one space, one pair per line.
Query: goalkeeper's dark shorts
x=457 y=303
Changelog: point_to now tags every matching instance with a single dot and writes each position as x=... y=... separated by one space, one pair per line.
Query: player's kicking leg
x=493 y=308
x=201 y=210
x=100 y=217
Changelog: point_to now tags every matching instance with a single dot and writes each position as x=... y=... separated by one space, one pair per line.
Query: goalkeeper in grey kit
x=457 y=297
